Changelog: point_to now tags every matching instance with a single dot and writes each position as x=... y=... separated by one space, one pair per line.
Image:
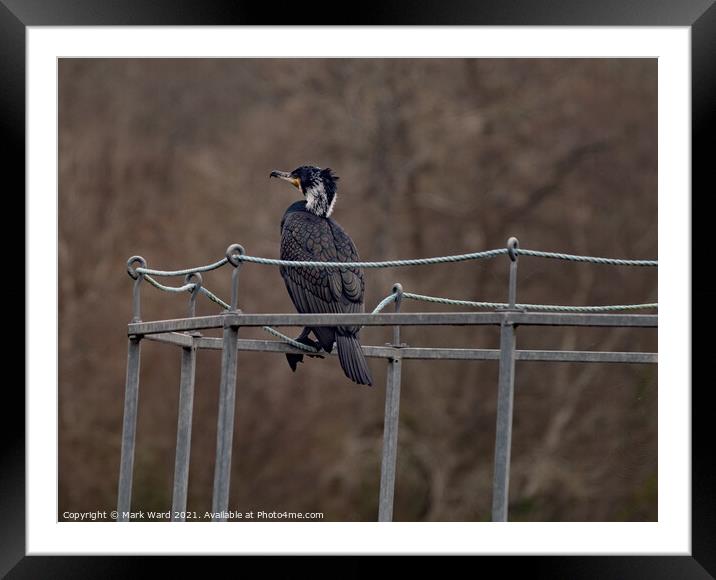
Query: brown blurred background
x=170 y=159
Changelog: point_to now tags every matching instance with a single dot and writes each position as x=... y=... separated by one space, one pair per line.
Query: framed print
x=415 y=284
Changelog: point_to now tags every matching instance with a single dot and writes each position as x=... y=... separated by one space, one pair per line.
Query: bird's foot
x=313 y=343
x=294 y=359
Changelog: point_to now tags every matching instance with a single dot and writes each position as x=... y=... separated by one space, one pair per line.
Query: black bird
x=309 y=234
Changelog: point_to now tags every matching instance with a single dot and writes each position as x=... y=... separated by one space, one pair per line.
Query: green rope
x=214 y=298
x=206 y=268
x=383 y=264
x=176 y=289
x=537 y=307
x=400 y=263
x=590 y=259
x=383 y=303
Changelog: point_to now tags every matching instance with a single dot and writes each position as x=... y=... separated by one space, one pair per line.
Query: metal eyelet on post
x=513 y=245
x=137 y=277
x=196 y=279
x=398 y=291
x=133 y=274
x=232 y=253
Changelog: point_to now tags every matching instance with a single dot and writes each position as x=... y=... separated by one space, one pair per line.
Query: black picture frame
x=699 y=15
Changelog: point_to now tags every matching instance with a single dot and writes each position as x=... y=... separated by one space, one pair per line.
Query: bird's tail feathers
x=350 y=355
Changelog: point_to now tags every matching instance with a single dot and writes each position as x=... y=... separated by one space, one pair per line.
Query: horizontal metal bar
x=178 y=324
x=527 y=355
x=587 y=356
x=392 y=319
x=178 y=338
x=423 y=353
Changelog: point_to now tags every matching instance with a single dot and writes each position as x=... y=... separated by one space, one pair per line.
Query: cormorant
x=309 y=234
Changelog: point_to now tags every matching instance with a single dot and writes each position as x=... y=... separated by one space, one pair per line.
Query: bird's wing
x=351 y=278
x=320 y=290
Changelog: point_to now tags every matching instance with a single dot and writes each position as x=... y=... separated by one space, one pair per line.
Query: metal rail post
x=186 y=407
x=505 y=399
x=227 y=397
x=131 y=399
x=390 y=425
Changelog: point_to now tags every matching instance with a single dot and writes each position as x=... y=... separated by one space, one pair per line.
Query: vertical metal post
x=186 y=406
x=138 y=277
x=390 y=425
x=129 y=429
x=225 y=424
x=505 y=399
x=503 y=443
x=227 y=399
x=131 y=399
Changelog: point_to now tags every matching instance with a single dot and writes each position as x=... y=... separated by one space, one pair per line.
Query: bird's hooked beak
x=287 y=177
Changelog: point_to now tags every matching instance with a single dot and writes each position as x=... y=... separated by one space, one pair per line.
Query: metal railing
x=184 y=332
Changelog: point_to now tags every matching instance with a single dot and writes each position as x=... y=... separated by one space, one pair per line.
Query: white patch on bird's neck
x=333 y=203
x=317 y=201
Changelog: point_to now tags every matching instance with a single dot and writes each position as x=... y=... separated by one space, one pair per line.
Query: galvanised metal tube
x=503 y=437
x=392 y=319
x=391 y=422
x=423 y=353
x=186 y=406
x=390 y=441
x=129 y=430
x=225 y=423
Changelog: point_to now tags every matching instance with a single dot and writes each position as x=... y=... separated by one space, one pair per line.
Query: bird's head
x=317 y=185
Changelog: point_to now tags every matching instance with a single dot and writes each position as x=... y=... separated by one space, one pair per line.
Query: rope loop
x=133 y=274
x=512 y=246
x=196 y=280
x=233 y=253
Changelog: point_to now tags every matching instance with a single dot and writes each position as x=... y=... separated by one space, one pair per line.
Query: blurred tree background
x=170 y=159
